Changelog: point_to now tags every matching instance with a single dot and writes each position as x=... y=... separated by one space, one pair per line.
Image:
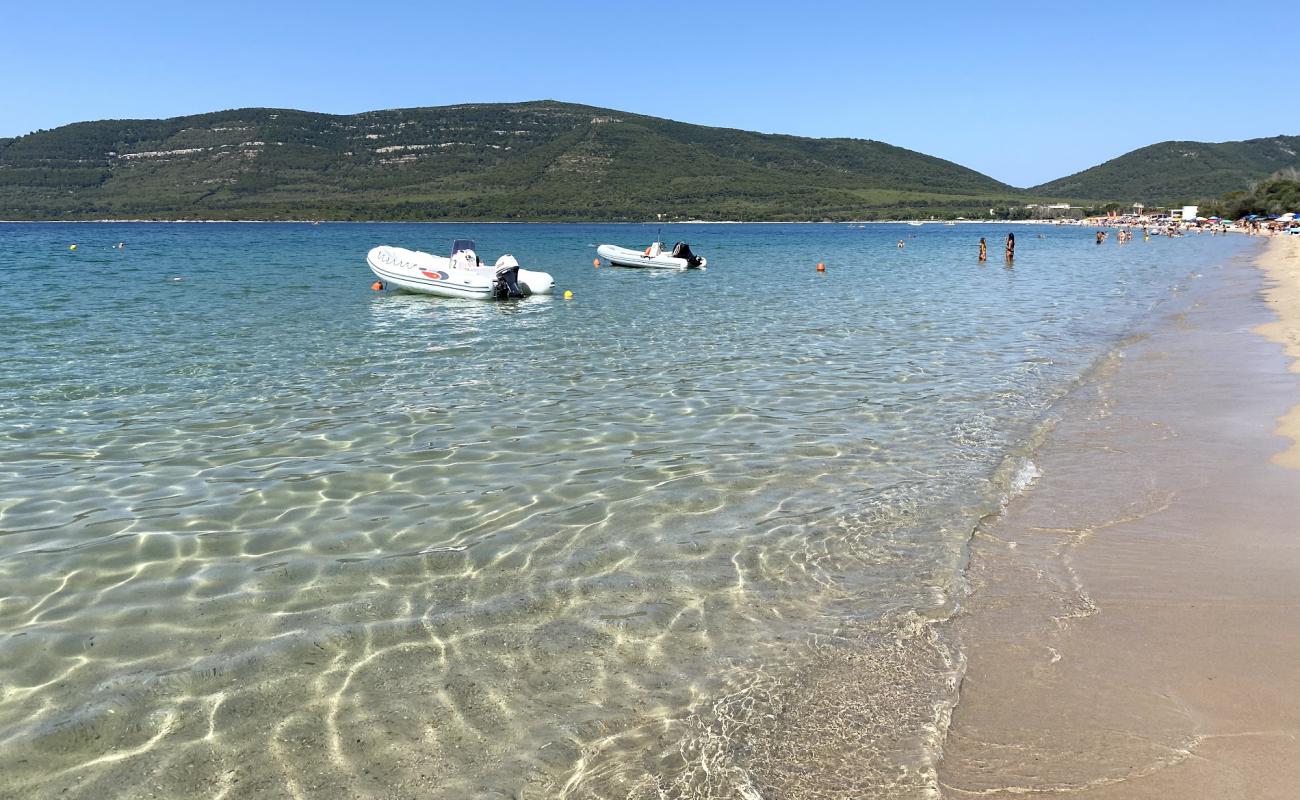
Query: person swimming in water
x=1011 y=246
x=984 y=250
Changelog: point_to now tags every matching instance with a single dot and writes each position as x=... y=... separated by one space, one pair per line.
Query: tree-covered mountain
x=528 y=161
x=1178 y=172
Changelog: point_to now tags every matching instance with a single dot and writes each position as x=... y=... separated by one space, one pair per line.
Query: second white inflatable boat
x=680 y=257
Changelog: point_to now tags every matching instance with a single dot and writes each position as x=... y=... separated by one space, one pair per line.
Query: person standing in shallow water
x=984 y=250
x=1011 y=246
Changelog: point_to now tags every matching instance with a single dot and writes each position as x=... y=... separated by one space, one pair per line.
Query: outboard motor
x=683 y=250
x=507 y=283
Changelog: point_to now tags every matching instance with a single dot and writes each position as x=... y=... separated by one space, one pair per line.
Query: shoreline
x=1129 y=628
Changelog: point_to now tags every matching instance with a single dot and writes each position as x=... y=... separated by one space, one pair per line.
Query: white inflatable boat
x=680 y=257
x=461 y=275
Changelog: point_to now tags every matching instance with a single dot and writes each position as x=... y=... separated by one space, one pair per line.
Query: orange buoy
x=377 y=286
x=595 y=262
x=821 y=267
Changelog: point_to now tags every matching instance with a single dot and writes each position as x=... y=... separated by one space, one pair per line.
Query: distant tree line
x=1277 y=194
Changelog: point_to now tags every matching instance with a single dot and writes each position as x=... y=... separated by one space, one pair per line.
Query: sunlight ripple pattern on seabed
x=264 y=532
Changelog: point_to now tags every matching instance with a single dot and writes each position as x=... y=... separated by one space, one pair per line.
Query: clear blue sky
x=1024 y=93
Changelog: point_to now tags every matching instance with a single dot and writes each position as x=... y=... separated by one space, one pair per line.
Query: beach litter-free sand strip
x=1281 y=261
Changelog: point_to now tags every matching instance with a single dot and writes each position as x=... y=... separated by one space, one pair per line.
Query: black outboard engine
x=683 y=250
x=507 y=284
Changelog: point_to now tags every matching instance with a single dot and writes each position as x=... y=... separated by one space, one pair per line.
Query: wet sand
x=1131 y=628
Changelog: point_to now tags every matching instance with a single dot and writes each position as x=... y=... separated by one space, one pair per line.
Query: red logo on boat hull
x=437 y=276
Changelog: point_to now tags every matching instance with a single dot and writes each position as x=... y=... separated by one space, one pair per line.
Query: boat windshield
x=462 y=244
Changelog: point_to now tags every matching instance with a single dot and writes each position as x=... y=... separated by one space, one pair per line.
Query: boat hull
x=623 y=257
x=424 y=273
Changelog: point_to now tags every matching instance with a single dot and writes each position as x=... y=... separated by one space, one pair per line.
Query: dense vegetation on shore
x=526 y=161
x=1172 y=173
x=1278 y=194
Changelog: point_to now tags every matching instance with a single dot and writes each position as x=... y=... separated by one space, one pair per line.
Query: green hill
x=529 y=161
x=1174 y=172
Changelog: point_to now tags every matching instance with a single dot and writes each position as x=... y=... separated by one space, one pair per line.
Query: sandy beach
x=1282 y=263
x=1131 y=625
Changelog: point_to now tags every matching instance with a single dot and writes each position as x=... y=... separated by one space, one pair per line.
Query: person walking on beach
x=984 y=250
x=1011 y=246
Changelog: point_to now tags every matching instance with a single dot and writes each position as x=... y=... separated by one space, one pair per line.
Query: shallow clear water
x=264 y=531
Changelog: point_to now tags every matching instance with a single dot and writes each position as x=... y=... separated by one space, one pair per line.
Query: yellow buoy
x=568 y=295
x=72 y=247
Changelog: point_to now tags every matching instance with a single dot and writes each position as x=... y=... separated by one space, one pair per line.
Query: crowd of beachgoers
x=1167 y=226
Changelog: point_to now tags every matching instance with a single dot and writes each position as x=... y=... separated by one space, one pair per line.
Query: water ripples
x=687 y=535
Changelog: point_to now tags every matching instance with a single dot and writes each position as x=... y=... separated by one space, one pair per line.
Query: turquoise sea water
x=264 y=532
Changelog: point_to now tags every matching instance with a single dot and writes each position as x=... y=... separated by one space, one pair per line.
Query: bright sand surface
x=1282 y=263
x=1132 y=629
